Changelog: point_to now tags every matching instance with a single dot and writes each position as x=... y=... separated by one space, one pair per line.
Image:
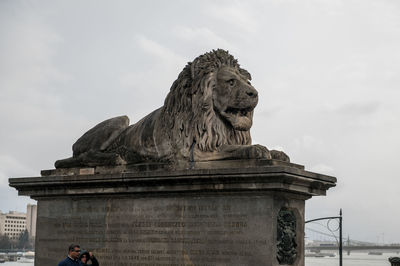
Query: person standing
x=73 y=256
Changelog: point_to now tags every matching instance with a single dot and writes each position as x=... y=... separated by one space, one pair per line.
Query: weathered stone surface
x=224 y=229
x=182 y=165
x=256 y=175
x=207 y=115
x=210 y=214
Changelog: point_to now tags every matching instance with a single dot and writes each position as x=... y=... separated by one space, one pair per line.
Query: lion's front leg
x=280 y=155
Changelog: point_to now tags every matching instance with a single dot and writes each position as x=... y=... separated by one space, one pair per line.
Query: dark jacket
x=92 y=259
x=70 y=262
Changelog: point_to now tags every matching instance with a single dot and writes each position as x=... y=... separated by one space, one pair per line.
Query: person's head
x=84 y=257
x=74 y=251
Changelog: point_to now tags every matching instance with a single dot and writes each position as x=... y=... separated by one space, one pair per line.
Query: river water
x=15 y=263
x=355 y=259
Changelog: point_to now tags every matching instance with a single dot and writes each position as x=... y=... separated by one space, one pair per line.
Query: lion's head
x=234 y=98
x=211 y=103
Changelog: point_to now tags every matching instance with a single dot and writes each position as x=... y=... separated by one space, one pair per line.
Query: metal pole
x=340 y=233
x=340 y=239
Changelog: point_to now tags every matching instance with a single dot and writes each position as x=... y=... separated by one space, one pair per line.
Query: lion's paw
x=280 y=155
x=258 y=152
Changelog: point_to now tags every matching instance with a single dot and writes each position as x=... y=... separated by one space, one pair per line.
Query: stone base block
x=211 y=216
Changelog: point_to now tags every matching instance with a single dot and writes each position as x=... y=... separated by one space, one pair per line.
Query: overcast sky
x=327 y=72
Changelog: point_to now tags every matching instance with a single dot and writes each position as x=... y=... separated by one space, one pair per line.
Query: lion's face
x=234 y=98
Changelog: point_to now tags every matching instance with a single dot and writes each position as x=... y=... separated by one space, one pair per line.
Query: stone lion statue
x=207 y=115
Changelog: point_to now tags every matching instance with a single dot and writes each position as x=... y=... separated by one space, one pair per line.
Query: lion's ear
x=245 y=73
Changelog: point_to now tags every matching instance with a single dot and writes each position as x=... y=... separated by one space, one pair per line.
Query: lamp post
x=340 y=239
x=340 y=218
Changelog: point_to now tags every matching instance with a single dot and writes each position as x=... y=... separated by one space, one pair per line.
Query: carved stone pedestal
x=215 y=213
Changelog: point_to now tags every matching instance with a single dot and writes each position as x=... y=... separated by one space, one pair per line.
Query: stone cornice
x=225 y=176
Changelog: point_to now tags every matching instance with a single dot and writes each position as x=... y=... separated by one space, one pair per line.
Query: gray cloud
x=359 y=109
x=327 y=73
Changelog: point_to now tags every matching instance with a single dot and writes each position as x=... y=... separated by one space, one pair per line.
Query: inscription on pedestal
x=201 y=231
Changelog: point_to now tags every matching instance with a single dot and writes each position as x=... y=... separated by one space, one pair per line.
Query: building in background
x=12 y=224
x=31 y=213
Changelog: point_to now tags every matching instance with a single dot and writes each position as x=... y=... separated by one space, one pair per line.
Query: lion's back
x=146 y=139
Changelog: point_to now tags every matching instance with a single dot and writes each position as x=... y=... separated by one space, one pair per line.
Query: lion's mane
x=188 y=113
